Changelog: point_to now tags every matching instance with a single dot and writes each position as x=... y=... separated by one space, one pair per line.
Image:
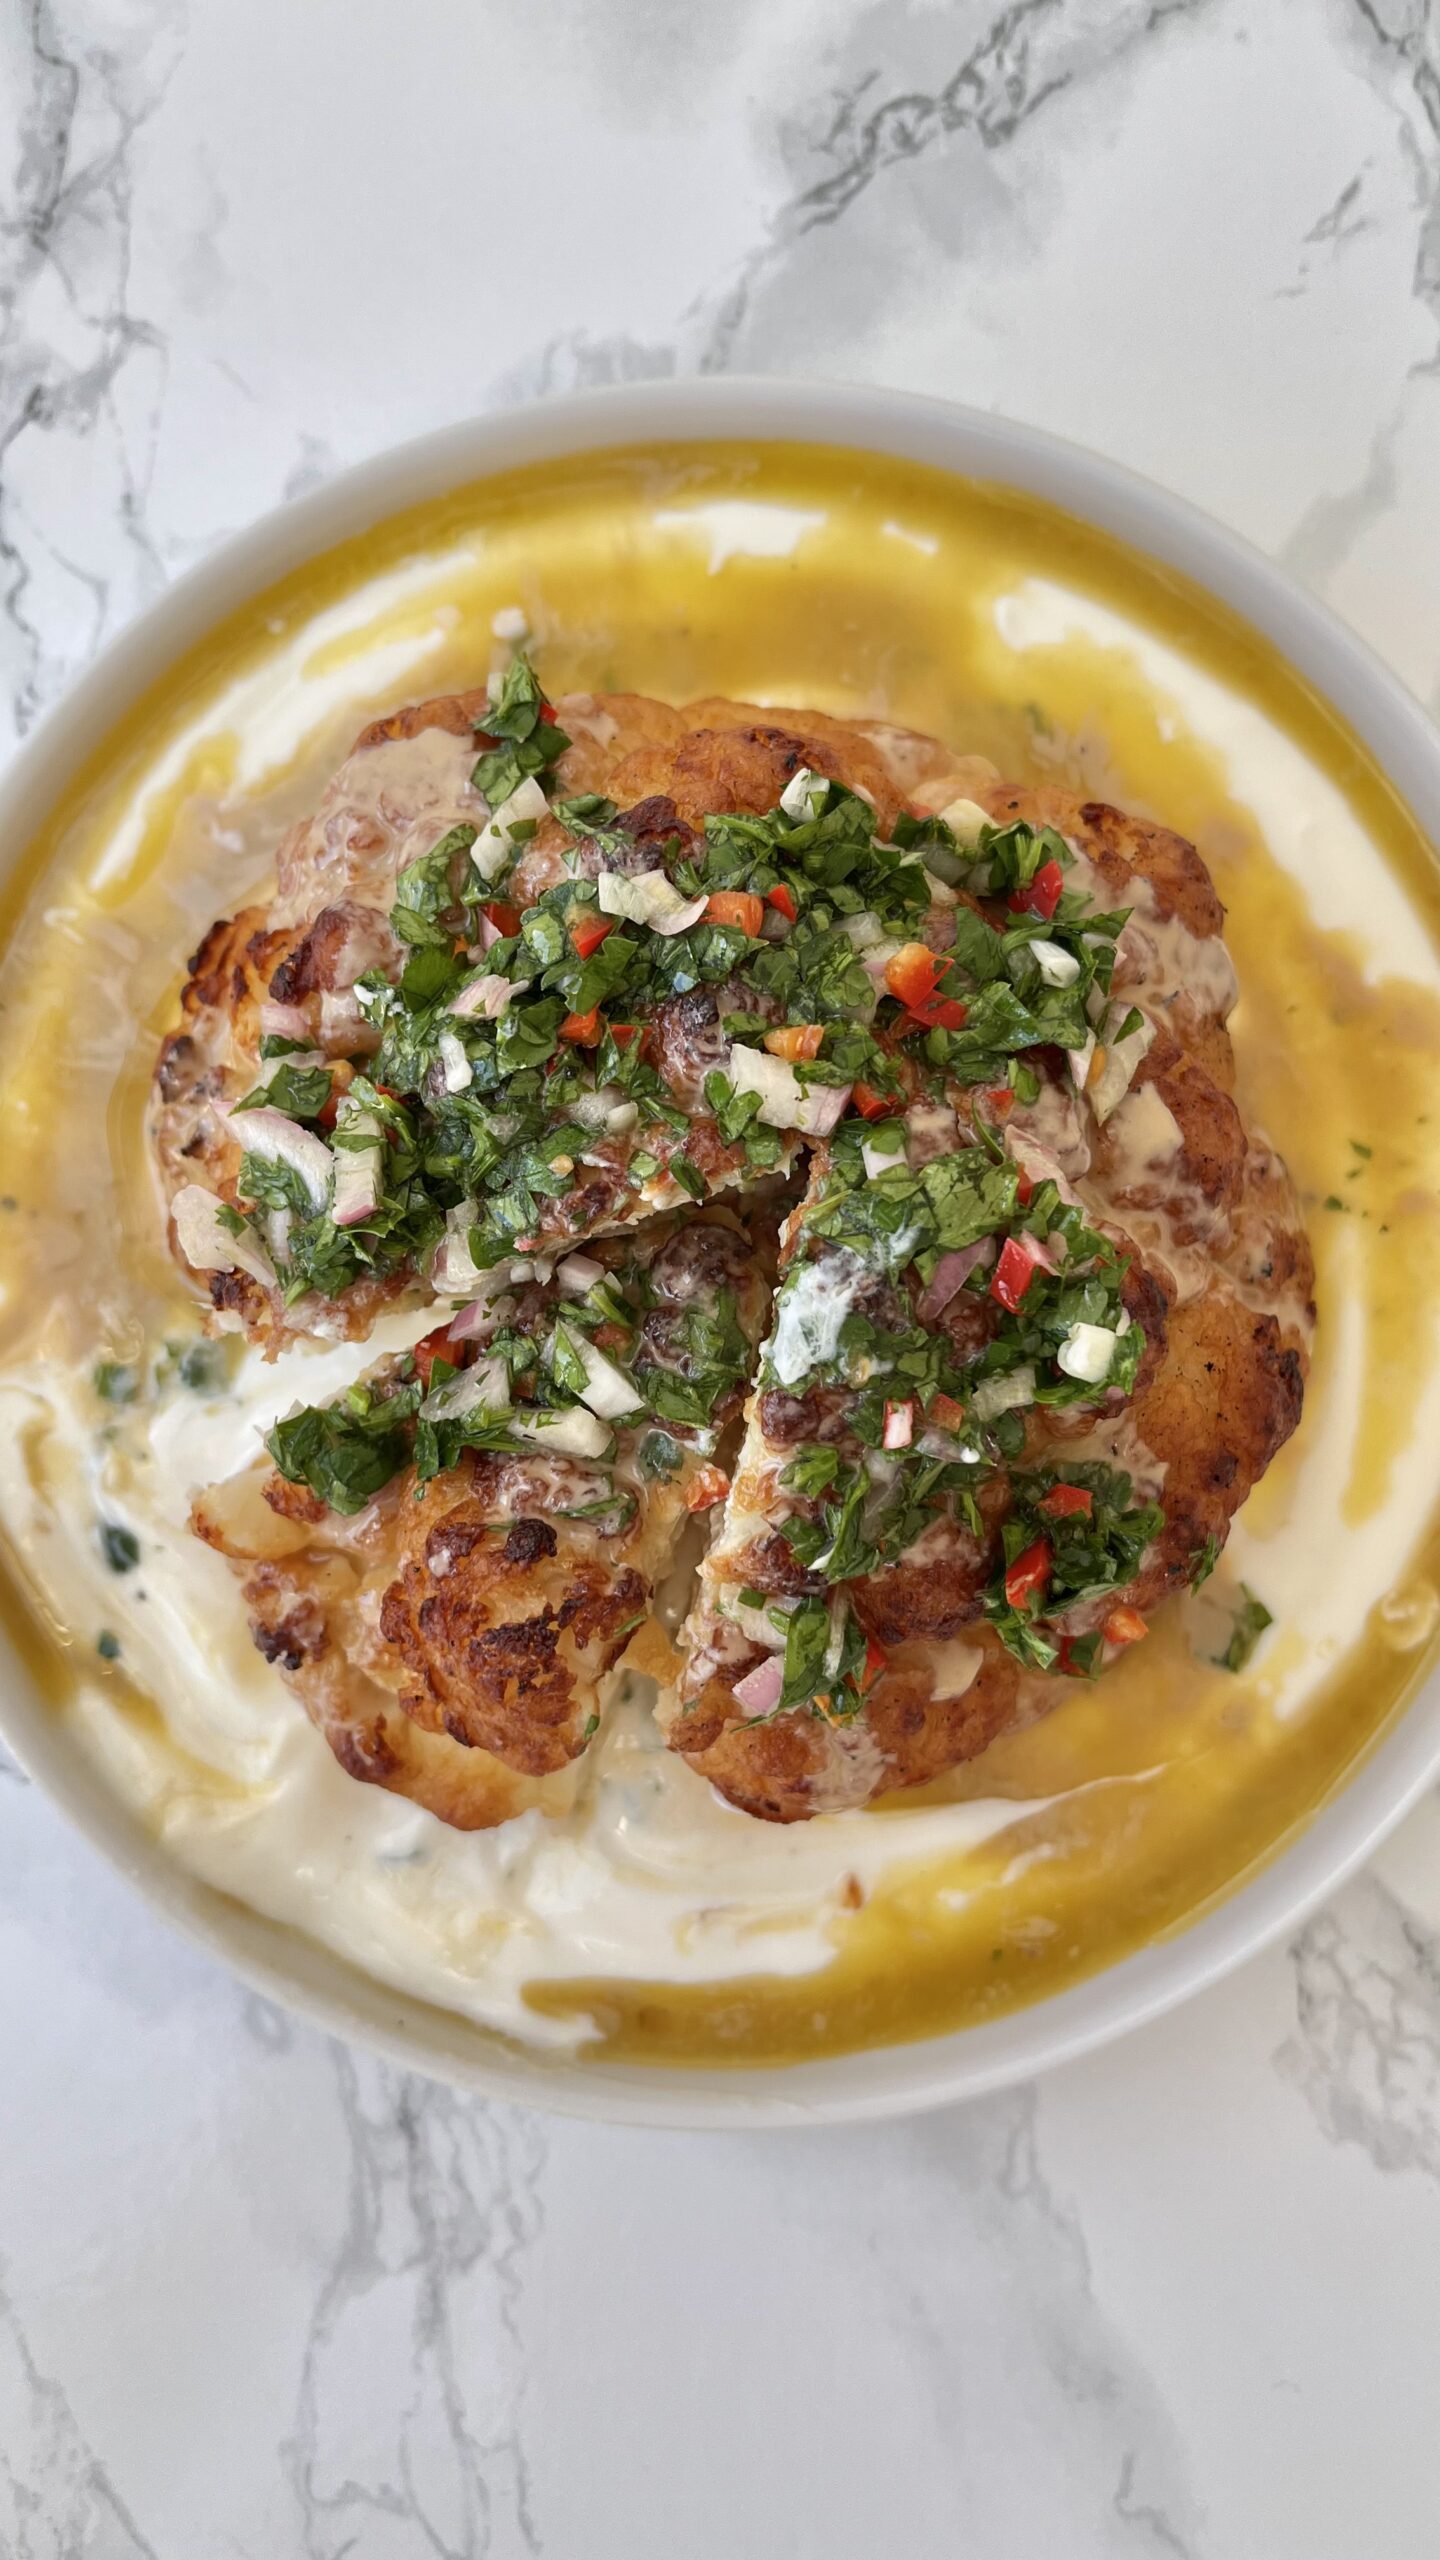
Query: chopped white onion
x=577 y=1275
x=649 y=898
x=757 y=1624
x=1003 y=1395
x=1078 y=1061
x=511 y=623
x=1058 y=967
x=483 y=1388
x=593 y=1110
x=607 y=1390
x=455 y=1064
x=878 y=1160
x=1087 y=1352
x=575 y=1433
x=208 y=1245
x=784 y=1102
x=863 y=930
x=279 y=1140
x=941 y=893
x=682 y=918
x=965 y=818
x=1040 y=1164
x=453 y=1271
x=805 y=794
x=1113 y=1070
x=492 y=847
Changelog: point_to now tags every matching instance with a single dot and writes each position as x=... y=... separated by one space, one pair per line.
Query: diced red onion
x=357 y=1173
x=490 y=934
x=485 y=998
x=899 y=1425
x=759 y=1692
x=824 y=1109
x=479 y=1318
x=950 y=1275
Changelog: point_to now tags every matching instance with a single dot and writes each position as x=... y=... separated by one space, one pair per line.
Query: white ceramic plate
x=893 y=2079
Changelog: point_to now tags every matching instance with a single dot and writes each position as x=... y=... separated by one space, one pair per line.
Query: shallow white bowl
x=899 y=2078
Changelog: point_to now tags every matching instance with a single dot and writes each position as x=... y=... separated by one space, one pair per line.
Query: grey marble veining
x=420 y=2307
x=260 y=2296
x=56 y=2497
x=1365 y=2051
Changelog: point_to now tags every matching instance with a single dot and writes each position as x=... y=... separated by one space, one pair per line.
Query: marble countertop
x=261 y=2296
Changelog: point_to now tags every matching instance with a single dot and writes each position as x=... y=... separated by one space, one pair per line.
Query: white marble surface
x=260 y=2296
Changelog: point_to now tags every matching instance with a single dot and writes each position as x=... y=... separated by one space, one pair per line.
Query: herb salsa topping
x=672 y=1016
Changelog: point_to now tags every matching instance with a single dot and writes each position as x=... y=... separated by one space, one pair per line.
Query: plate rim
x=879 y=2081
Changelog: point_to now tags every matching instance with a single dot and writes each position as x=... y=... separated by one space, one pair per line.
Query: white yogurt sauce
x=649 y=1874
x=813 y=1305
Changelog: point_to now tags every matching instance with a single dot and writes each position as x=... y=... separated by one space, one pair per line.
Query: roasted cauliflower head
x=790 y=1126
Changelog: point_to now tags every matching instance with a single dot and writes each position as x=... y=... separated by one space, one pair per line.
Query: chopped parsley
x=520 y=739
x=346 y=1452
x=1203 y=1562
x=1092 y=1555
x=116 y=1381
x=688 y=1364
x=1248 y=1626
x=300 y=1092
x=501 y=1106
x=119 y=1546
x=204 y=1367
